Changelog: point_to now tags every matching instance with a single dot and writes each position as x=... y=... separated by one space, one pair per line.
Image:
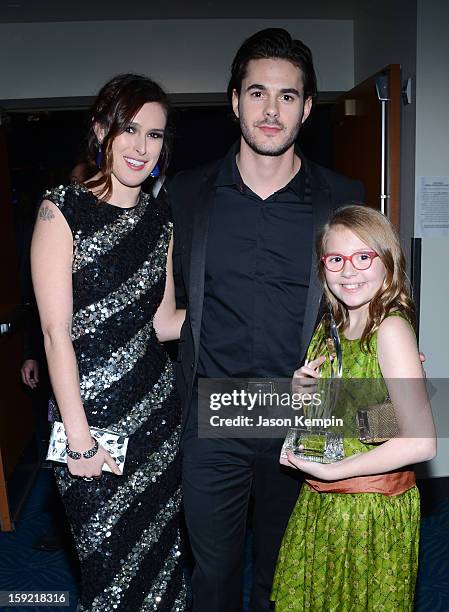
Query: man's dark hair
x=273 y=43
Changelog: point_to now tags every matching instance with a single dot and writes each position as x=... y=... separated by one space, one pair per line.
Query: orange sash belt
x=393 y=483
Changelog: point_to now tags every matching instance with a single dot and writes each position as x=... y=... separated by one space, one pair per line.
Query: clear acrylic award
x=314 y=443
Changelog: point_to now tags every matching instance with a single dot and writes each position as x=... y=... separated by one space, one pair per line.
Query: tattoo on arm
x=46 y=214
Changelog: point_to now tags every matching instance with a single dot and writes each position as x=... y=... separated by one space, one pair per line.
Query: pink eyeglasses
x=361 y=260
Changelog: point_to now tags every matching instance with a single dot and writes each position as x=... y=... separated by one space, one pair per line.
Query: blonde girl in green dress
x=352 y=541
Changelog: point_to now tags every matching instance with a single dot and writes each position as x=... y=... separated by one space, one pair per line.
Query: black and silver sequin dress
x=125 y=528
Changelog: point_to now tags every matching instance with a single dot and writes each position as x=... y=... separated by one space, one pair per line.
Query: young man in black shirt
x=244 y=231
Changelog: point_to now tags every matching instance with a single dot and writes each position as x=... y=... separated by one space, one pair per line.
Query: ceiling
x=82 y=10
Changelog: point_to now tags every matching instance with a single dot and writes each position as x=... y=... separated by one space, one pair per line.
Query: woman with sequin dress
x=351 y=544
x=101 y=262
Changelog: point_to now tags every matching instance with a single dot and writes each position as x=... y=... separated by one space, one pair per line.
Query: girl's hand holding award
x=315 y=443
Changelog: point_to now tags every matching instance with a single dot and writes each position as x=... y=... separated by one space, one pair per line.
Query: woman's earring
x=99 y=156
x=155 y=172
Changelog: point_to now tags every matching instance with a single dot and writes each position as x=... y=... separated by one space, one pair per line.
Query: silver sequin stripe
x=87 y=249
x=140 y=412
x=56 y=195
x=99 y=527
x=65 y=482
x=111 y=597
x=154 y=599
x=120 y=362
x=86 y=320
x=180 y=603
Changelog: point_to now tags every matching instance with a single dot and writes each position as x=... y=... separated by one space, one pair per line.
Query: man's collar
x=229 y=173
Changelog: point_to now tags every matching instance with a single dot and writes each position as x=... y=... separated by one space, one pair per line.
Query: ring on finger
x=87 y=478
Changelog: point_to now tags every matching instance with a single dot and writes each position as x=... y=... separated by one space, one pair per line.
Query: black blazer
x=191 y=195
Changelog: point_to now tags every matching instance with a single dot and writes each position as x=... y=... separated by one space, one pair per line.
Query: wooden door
x=357 y=135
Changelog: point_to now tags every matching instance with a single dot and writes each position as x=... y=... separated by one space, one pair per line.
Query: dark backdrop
x=44 y=146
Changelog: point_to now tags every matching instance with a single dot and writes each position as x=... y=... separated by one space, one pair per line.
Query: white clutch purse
x=115 y=444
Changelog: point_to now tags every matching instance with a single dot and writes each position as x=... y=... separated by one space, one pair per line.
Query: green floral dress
x=349 y=552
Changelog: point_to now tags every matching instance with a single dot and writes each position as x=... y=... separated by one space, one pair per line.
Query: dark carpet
x=25 y=569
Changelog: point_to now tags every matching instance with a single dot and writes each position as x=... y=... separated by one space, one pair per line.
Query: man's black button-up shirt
x=257 y=274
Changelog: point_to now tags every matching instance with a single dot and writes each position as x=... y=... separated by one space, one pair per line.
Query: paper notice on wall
x=432 y=210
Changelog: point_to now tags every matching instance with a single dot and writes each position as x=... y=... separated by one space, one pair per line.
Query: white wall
x=432 y=95
x=44 y=60
x=432 y=159
x=434 y=342
x=413 y=33
x=434 y=334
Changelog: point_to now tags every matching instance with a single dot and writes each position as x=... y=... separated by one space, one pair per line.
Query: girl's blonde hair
x=376 y=231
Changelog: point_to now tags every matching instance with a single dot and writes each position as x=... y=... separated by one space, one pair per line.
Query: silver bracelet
x=87 y=454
